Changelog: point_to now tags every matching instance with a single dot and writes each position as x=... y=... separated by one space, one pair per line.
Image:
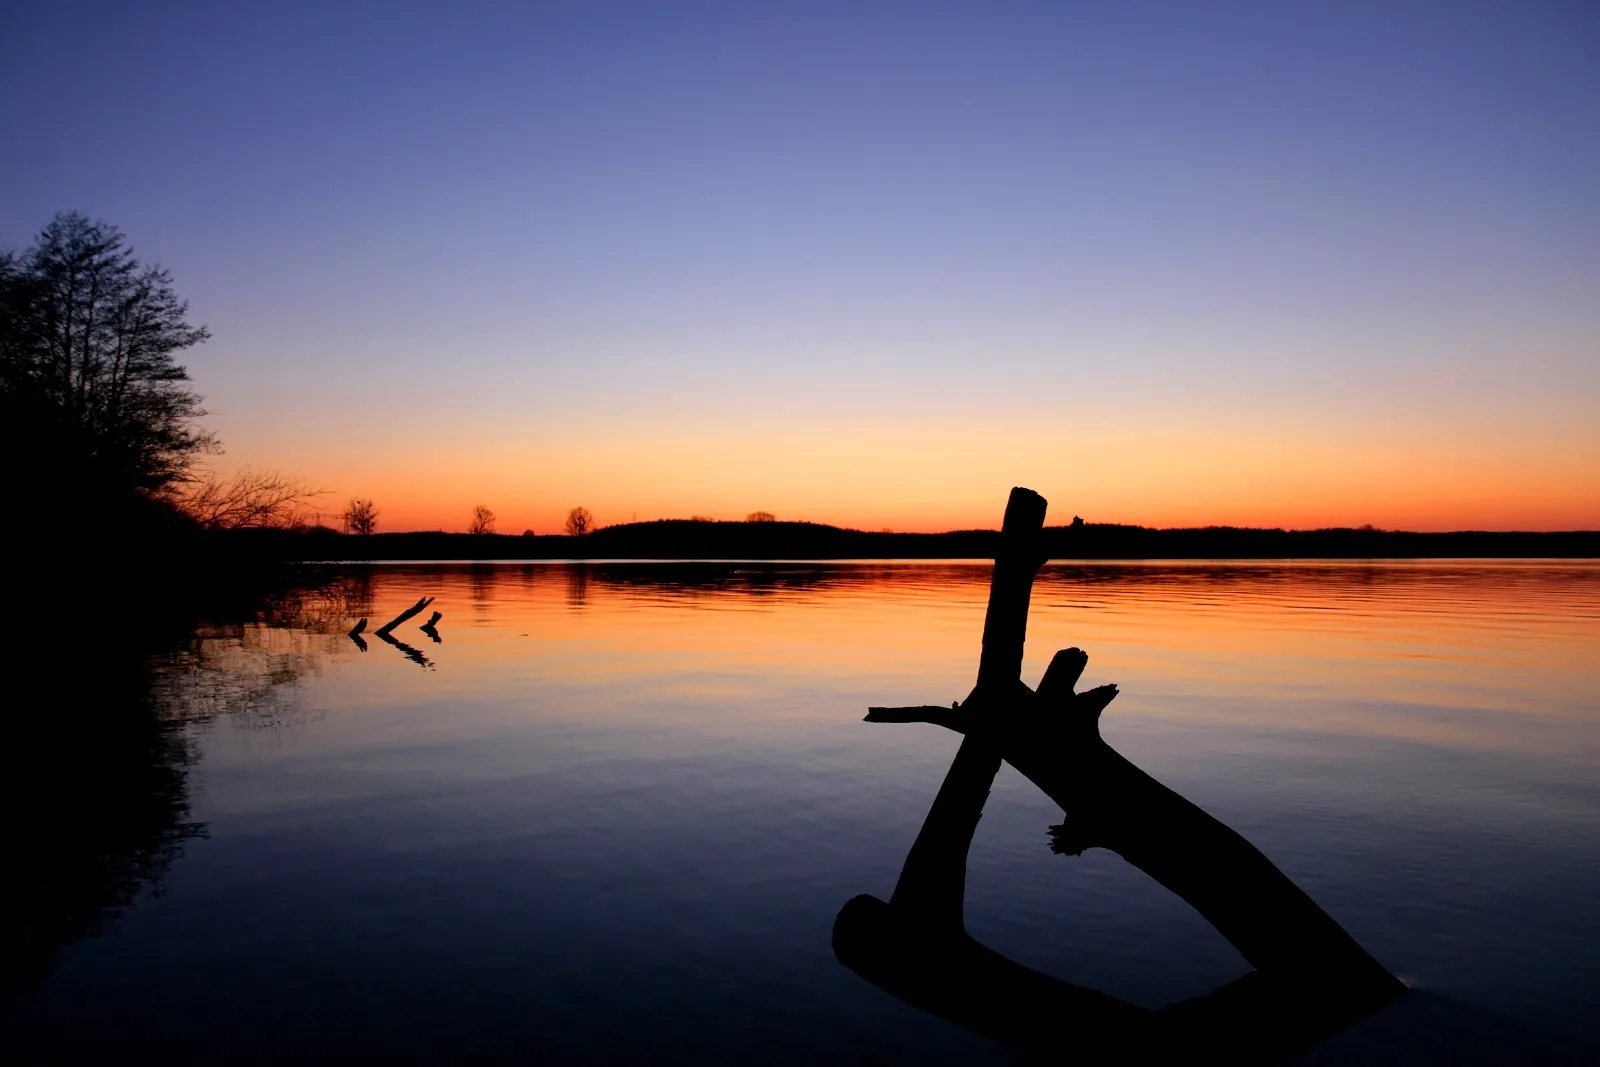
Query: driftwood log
x=1310 y=977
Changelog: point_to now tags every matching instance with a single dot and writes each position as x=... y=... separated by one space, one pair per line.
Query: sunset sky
x=870 y=264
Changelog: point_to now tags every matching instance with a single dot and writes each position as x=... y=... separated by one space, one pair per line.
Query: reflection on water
x=617 y=817
x=96 y=796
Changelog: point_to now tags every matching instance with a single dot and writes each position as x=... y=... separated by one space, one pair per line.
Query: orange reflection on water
x=1495 y=654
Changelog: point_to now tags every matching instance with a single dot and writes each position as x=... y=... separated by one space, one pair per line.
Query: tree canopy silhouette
x=482 y=521
x=361 y=517
x=579 y=522
x=88 y=336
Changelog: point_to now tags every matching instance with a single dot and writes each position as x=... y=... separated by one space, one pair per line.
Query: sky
x=1287 y=264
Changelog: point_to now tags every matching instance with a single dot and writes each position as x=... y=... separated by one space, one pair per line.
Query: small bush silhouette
x=361 y=517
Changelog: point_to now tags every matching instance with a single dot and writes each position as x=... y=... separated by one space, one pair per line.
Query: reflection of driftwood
x=361 y=642
x=412 y=654
x=431 y=628
x=413 y=610
x=1310 y=977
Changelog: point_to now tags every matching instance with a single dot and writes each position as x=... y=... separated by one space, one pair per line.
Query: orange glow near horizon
x=929 y=478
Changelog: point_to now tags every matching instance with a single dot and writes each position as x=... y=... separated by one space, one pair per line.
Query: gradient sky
x=1269 y=264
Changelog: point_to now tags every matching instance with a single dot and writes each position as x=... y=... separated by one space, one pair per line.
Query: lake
x=611 y=814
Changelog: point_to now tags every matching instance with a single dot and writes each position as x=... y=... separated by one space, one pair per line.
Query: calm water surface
x=611 y=815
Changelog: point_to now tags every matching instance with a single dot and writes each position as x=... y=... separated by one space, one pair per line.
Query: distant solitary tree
x=482 y=521
x=527 y=533
x=361 y=517
x=250 y=500
x=87 y=375
x=761 y=516
x=579 y=522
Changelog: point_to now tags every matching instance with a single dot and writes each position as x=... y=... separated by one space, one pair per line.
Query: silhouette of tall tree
x=88 y=336
x=482 y=521
x=579 y=522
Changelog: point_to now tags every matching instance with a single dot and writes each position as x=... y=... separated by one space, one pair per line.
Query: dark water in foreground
x=611 y=815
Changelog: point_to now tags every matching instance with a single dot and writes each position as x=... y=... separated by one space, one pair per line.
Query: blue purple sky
x=1270 y=264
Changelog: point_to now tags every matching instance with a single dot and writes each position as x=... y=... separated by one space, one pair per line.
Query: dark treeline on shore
x=113 y=512
x=695 y=539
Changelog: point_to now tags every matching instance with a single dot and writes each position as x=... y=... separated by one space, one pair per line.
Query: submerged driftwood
x=1310 y=977
x=431 y=627
x=411 y=612
x=413 y=654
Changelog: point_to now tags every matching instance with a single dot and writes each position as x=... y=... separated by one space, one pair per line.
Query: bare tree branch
x=250 y=500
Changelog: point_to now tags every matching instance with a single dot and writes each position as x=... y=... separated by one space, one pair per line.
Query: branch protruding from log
x=1005 y=624
x=952 y=718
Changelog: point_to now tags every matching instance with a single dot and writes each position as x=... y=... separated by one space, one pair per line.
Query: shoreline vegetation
x=707 y=540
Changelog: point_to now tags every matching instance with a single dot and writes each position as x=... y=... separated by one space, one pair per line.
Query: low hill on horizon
x=700 y=539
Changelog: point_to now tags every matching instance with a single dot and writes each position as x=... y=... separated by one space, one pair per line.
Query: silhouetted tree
x=761 y=516
x=482 y=521
x=361 y=517
x=579 y=522
x=250 y=500
x=87 y=339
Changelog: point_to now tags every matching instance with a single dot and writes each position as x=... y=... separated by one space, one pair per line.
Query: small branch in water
x=411 y=612
x=358 y=627
x=431 y=628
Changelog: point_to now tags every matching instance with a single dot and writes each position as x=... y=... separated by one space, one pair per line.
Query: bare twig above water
x=414 y=610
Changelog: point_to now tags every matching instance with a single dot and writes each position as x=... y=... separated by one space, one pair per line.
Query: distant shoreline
x=694 y=541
